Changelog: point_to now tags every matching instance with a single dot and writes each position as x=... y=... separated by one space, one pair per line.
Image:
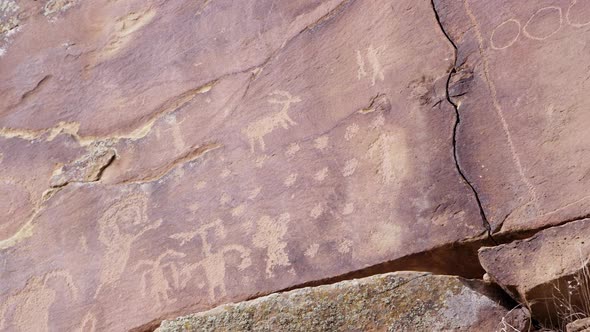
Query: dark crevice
x=453 y=71
x=508 y=237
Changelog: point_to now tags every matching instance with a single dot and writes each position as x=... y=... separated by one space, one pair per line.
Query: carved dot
x=321 y=142
x=505 y=34
x=351 y=131
x=290 y=180
x=321 y=174
x=350 y=167
x=317 y=211
x=292 y=149
x=254 y=192
x=312 y=250
x=578 y=13
x=543 y=24
x=225 y=173
x=238 y=210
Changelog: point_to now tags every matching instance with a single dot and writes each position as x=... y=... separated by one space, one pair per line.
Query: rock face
x=521 y=87
x=158 y=156
x=548 y=272
x=163 y=157
x=391 y=302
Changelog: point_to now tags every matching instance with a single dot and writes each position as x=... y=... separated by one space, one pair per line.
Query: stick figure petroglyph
x=121 y=224
x=30 y=305
x=256 y=130
x=213 y=263
x=376 y=67
x=159 y=287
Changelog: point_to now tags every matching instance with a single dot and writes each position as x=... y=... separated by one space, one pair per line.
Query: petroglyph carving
x=238 y=210
x=224 y=199
x=349 y=167
x=159 y=287
x=290 y=179
x=391 y=153
x=373 y=59
x=55 y=6
x=348 y=209
x=121 y=224
x=256 y=130
x=321 y=142
x=344 y=246
x=124 y=27
x=88 y=323
x=317 y=211
x=28 y=308
x=292 y=149
x=269 y=235
x=576 y=10
x=213 y=263
x=498 y=108
x=225 y=173
x=505 y=29
x=544 y=23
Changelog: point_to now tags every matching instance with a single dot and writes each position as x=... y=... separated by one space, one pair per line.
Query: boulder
x=521 y=87
x=160 y=158
x=404 y=301
x=548 y=272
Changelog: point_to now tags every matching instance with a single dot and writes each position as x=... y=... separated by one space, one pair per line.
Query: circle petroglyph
x=544 y=23
x=578 y=13
x=15 y=207
x=505 y=34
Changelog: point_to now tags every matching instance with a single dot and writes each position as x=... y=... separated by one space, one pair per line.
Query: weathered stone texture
x=405 y=301
x=159 y=156
x=521 y=89
x=548 y=272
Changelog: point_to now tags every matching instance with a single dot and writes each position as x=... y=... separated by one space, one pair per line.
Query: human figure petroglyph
x=213 y=263
x=256 y=130
x=542 y=35
x=159 y=287
x=373 y=59
x=503 y=26
x=269 y=235
x=30 y=305
x=568 y=15
x=121 y=224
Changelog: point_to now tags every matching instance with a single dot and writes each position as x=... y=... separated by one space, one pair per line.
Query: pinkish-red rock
x=521 y=89
x=258 y=145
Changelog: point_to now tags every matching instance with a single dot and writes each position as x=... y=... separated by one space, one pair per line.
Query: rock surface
x=548 y=272
x=157 y=156
x=402 y=301
x=521 y=87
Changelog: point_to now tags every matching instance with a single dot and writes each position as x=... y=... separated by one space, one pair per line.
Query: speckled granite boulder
x=403 y=301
